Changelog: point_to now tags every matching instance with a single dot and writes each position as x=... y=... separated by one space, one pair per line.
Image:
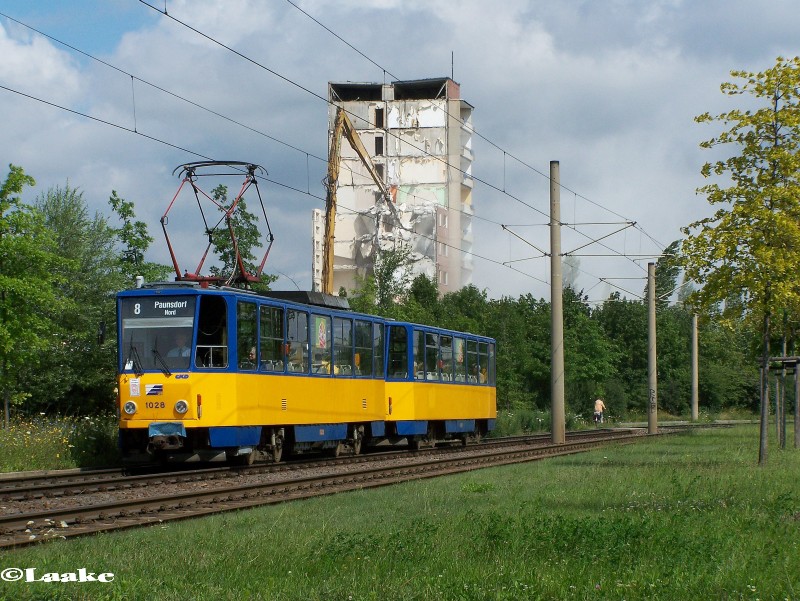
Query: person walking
x=599 y=410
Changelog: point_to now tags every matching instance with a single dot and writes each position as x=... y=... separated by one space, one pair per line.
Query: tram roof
x=296 y=297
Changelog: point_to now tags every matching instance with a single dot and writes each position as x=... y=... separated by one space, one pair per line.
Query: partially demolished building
x=419 y=136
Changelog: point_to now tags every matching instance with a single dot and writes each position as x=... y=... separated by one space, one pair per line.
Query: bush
x=42 y=442
x=93 y=441
x=523 y=421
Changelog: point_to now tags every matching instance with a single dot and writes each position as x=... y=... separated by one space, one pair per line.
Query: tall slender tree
x=749 y=247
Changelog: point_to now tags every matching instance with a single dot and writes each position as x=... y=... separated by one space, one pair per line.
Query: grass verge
x=52 y=443
x=681 y=517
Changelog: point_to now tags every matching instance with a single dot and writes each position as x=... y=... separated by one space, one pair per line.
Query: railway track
x=54 y=485
x=250 y=487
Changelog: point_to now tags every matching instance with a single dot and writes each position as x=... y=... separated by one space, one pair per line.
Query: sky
x=609 y=89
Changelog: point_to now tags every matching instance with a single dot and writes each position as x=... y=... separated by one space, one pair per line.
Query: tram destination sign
x=154 y=307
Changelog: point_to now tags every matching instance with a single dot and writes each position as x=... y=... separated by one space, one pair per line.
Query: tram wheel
x=358 y=439
x=277 y=449
x=430 y=437
x=245 y=459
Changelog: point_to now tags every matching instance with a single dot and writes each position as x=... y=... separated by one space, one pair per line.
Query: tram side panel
x=225 y=400
x=429 y=381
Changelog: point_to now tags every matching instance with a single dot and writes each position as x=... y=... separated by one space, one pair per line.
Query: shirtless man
x=599 y=409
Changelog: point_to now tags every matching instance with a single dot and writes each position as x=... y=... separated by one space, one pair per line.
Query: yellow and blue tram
x=221 y=373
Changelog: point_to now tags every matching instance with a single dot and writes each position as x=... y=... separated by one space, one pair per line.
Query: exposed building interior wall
x=419 y=145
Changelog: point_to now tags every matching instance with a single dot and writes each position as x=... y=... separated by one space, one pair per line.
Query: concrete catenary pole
x=782 y=401
x=652 y=373
x=695 y=372
x=763 y=424
x=796 y=406
x=556 y=310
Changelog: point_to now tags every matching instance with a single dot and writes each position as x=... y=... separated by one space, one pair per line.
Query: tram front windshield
x=157 y=333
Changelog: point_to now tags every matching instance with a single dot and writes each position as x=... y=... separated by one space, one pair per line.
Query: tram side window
x=483 y=362
x=271 y=343
x=377 y=345
x=431 y=356
x=419 y=355
x=491 y=365
x=363 y=357
x=472 y=361
x=212 y=333
x=246 y=335
x=398 y=352
x=342 y=347
x=297 y=341
x=320 y=344
x=460 y=355
x=446 y=361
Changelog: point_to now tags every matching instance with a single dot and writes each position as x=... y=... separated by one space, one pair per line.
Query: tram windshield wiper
x=134 y=361
x=161 y=361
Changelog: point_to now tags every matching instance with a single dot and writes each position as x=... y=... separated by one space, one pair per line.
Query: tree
x=29 y=304
x=424 y=290
x=625 y=325
x=134 y=239
x=749 y=247
x=392 y=276
x=465 y=309
x=248 y=238
x=591 y=358
x=77 y=370
x=421 y=302
x=522 y=330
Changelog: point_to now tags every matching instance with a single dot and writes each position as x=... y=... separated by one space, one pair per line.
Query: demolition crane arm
x=343 y=127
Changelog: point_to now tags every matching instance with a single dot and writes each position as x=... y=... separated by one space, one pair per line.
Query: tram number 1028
x=155 y=404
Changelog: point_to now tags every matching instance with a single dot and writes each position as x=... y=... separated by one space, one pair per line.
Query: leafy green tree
x=29 y=304
x=465 y=309
x=589 y=356
x=746 y=247
x=389 y=290
x=625 y=325
x=363 y=297
x=76 y=372
x=392 y=276
x=749 y=246
x=424 y=291
x=133 y=240
x=522 y=330
x=728 y=376
x=673 y=326
x=248 y=238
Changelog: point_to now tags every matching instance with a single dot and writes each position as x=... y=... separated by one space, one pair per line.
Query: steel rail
x=56 y=484
x=34 y=527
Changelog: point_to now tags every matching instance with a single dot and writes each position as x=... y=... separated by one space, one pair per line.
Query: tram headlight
x=181 y=406
x=129 y=408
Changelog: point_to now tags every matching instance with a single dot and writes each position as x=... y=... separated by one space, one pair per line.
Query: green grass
x=51 y=443
x=680 y=517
